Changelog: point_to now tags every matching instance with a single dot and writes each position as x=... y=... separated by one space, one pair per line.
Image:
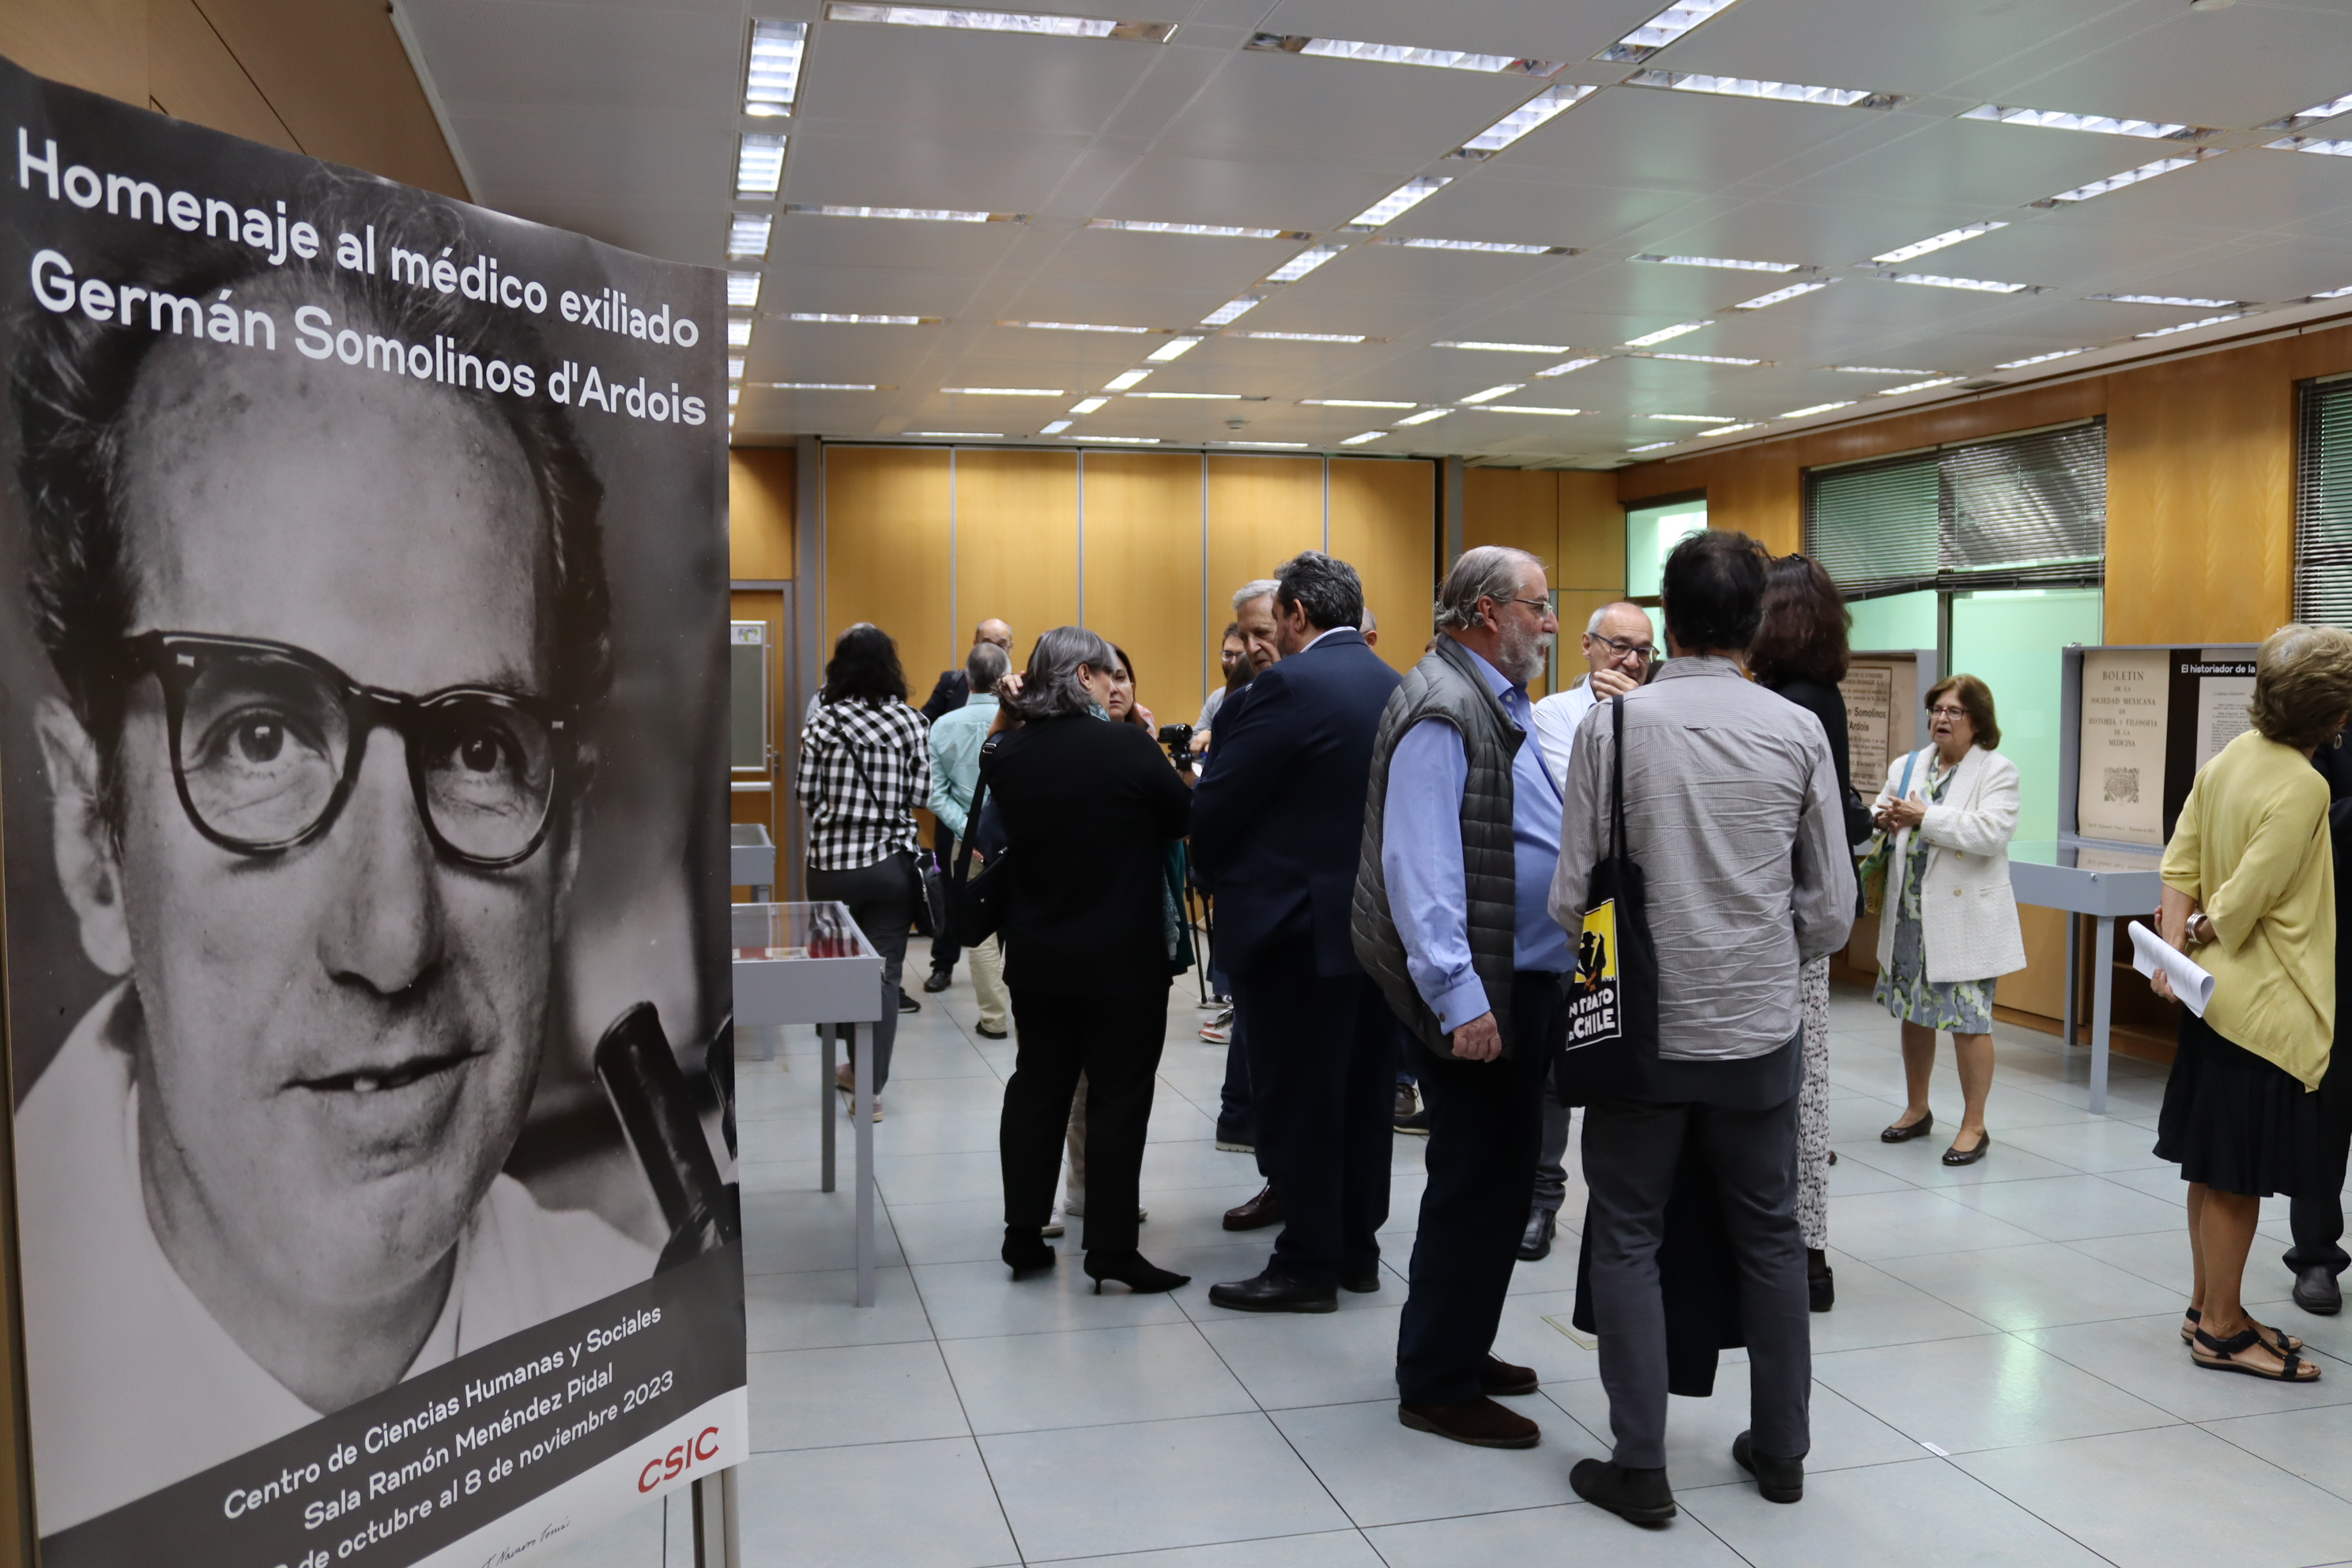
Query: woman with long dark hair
x=866 y=764
x=1091 y=943
x=1799 y=651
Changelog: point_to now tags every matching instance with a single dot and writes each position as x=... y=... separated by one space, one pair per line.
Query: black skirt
x=2238 y=1122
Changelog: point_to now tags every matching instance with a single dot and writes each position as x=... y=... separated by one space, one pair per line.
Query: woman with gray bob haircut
x=1060 y=666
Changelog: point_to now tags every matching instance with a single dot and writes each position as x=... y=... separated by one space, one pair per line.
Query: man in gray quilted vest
x=1734 y=818
x=1461 y=834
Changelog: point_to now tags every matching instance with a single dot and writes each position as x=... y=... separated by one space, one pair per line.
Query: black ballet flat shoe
x=1901 y=1134
x=1025 y=1252
x=1955 y=1156
x=1134 y=1271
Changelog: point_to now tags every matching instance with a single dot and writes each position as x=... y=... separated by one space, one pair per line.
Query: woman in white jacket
x=1950 y=928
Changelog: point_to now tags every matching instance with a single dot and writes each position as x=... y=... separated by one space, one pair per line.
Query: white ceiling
x=620 y=120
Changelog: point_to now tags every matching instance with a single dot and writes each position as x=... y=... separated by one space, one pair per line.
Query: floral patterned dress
x=1962 y=1007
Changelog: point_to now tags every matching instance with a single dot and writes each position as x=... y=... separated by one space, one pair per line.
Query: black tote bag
x=975 y=905
x=1608 y=1030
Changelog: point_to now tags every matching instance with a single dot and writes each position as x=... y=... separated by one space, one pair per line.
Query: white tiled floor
x=2020 y=1316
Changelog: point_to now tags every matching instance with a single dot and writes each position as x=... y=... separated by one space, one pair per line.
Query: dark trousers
x=882 y=902
x=1115 y=1040
x=1322 y=1086
x=1631 y=1151
x=2318 y=1220
x=944 y=952
x=1485 y=1119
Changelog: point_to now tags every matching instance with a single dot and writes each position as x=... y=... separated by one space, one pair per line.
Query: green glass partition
x=1894 y=622
x=2012 y=640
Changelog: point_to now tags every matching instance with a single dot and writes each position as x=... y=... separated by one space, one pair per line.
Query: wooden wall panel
x=1262 y=512
x=1016 y=543
x=1517 y=507
x=1591 y=534
x=98 y=45
x=760 y=498
x=1143 y=583
x=1384 y=523
x=194 y=75
x=886 y=553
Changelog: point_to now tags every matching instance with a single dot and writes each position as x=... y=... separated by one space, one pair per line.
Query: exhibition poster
x=1868 y=691
x=2119 y=784
x=362 y=717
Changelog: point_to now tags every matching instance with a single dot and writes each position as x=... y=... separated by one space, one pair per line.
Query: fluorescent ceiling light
x=1919 y=248
x=1793 y=292
x=822 y=385
x=739 y=334
x=1505 y=348
x=1367 y=436
x=1523 y=408
x=1917 y=386
x=1721 y=261
x=925 y=214
x=1693 y=418
x=759 y=164
x=1124 y=379
x=734 y=396
x=1192 y=397
x=747 y=236
x=1300 y=265
x=1424 y=416
x=1816 y=408
x=2192 y=326
x=2059 y=119
x=2312 y=144
x=1562 y=369
x=1056 y=428
x=1078 y=326
x=1398 y=53
x=1654 y=446
x=1727 y=429
x=1283 y=446
x=1212 y=230
x=1664 y=334
x=734 y=370
x=772 y=78
x=1405 y=197
x=1308 y=337
x=2179 y=302
x=1350 y=402
x=1550 y=101
x=1975 y=285
x=743 y=290
x=1229 y=311
x=1703 y=358
x=1087 y=405
x=1118 y=440
x=2325 y=294
x=1000 y=21
x=1004 y=392
x=865 y=320
x=1493 y=392
x=1875 y=370
x=1174 y=348
x=1494 y=246
x=2039 y=359
x=958 y=434
x=1664 y=28
x=2129 y=177
x=1778 y=92
x=2316 y=112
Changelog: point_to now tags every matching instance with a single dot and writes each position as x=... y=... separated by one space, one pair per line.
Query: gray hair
x=1486 y=572
x=985 y=666
x=1050 y=688
x=1263 y=588
x=1592 y=627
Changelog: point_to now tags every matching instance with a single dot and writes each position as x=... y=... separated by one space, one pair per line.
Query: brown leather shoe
x=1480 y=1422
x=1499 y=1377
x=1261 y=1211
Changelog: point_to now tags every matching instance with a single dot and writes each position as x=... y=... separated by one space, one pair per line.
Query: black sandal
x=2278 y=1341
x=2221 y=1355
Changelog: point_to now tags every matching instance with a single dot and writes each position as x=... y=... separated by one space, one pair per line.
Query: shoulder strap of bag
x=971 y=816
x=1617 y=788
x=849 y=745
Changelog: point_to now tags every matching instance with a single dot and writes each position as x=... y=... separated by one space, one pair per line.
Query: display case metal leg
x=2103 y=997
x=718 y=1527
x=862 y=1105
x=826 y=1113
x=2073 y=975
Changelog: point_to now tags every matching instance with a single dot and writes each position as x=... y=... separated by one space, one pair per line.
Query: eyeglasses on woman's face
x=266 y=740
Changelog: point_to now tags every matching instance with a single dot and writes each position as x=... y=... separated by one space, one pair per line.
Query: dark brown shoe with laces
x=1261 y=1211
x=1480 y=1422
x=1499 y=1377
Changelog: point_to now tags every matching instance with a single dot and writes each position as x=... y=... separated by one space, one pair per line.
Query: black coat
x=953 y=690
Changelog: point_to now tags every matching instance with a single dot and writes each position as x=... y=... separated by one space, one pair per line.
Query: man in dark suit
x=1277 y=822
x=953 y=692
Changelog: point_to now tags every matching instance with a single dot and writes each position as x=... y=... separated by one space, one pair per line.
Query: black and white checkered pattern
x=848 y=827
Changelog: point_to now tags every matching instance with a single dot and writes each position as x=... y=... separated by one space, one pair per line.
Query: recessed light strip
x=1505 y=348
x=1305 y=262
x=1405 y=197
x=2192 y=326
x=1000 y=22
x=2039 y=359
x=1002 y=392
x=1933 y=242
x=2312 y=144
x=1082 y=327
x=1568 y=365
x=1919 y=385
x=1493 y=246
x=1816 y=408
x=1779 y=296
x=924 y=214
x=1493 y=392
x=1535 y=111
x=1424 y=416
x=772 y=78
x=1367 y=436
x=1665 y=335
x=1311 y=337
x=2178 y=301
x=1724 y=262
x=2130 y=177
x=856 y=320
x=2060 y=119
x=1231 y=310
x=759 y=164
x=747 y=236
x=1664 y=28
x=1974 y=285
x=2312 y=116
x=1778 y=92
x=1348 y=403
x=1521 y=408
x=1398 y=53
x=743 y=290
x=1206 y=230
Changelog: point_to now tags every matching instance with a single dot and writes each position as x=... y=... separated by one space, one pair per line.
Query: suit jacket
x=953 y=690
x=1278 y=815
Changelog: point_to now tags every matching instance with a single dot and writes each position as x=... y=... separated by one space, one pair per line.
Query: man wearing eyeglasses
x=329 y=644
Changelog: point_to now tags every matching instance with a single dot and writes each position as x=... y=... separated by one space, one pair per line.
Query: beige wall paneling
x=1142 y=555
x=1262 y=512
x=1384 y=523
x=1517 y=507
x=760 y=498
x=1016 y=543
x=193 y=76
x=98 y=45
x=887 y=554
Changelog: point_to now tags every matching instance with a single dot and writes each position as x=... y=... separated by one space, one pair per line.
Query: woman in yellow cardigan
x=2249 y=893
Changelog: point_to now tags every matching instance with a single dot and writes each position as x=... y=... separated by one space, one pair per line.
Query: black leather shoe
x=1901 y=1134
x=1955 y=1156
x=1261 y=1211
x=2315 y=1290
x=1363 y=1285
x=985 y=1033
x=1535 y=1244
x=1408 y=1102
x=1777 y=1481
x=1820 y=1280
x=1499 y=1378
x=939 y=981
x=907 y=1004
x=1024 y=1251
x=1417 y=1124
x=1271 y=1292
x=1640 y=1496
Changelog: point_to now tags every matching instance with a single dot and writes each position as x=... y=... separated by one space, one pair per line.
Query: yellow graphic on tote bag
x=1593 y=1013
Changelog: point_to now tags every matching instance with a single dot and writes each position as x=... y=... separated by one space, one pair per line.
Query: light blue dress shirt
x=1420 y=856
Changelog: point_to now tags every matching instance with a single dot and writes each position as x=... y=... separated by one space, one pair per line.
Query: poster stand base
x=718 y=1527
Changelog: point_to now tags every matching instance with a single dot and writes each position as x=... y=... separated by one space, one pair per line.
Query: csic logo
x=678 y=1460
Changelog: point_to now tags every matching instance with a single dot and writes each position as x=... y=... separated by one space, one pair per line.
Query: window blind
x=2323 y=505
x=2028 y=510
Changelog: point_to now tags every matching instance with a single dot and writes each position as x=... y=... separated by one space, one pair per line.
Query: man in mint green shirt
x=955 y=739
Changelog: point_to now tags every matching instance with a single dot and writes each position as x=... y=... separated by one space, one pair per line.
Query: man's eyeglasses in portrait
x=1624 y=647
